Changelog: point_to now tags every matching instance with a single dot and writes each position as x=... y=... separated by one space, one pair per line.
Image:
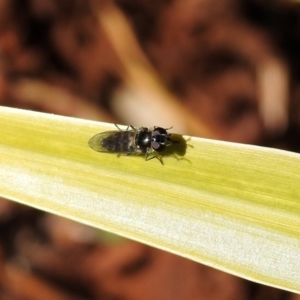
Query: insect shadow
x=178 y=147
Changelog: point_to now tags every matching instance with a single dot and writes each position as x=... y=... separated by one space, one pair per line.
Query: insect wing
x=96 y=142
x=121 y=142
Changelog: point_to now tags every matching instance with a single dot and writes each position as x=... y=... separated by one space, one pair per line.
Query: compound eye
x=157 y=146
x=159 y=135
x=159 y=130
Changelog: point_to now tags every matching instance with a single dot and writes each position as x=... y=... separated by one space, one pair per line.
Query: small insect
x=133 y=140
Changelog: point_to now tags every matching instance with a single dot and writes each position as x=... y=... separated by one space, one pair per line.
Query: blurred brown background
x=226 y=69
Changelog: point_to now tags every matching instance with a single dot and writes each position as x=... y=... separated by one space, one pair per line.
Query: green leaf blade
x=233 y=207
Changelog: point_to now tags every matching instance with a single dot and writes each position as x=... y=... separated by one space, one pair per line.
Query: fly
x=133 y=140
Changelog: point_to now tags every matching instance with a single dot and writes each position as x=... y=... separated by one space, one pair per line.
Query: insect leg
x=129 y=126
x=155 y=156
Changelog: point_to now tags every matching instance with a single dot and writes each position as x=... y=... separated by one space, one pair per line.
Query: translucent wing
x=96 y=142
x=121 y=142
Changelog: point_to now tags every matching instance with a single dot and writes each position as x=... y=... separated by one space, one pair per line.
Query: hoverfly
x=133 y=140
